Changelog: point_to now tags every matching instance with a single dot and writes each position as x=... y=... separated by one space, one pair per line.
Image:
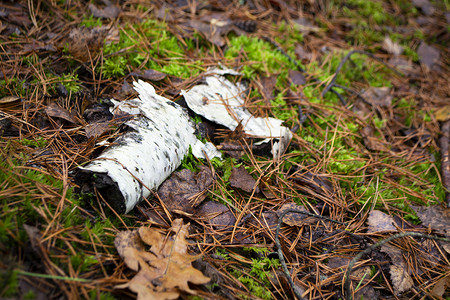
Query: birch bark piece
x=141 y=159
x=221 y=101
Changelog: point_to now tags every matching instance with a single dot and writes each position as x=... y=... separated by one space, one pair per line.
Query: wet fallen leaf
x=185 y=190
x=297 y=77
x=428 y=55
x=425 y=6
x=441 y=286
x=378 y=96
x=96 y=129
x=150 y=74
x=266 y=85
x=371 y=141
x=109 y=12
x=216 y=214
x=241 y=179
x=318 y=182
x=442 y=114
x=379 y=221
x=391 y=47
x=166 y=269
x=436 y=217
x=295 y=219
x=97 y=113
x=55 y=111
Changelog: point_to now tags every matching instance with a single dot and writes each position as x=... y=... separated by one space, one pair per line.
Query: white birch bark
x=221 y=101
x=145 y=156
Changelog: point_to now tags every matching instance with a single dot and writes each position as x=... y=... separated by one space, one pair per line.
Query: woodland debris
x=379 y=221
x=429 y=55
x=295 y=219
x=444 y=144
x=157 y=138
x=163 y=272
x=241 y=179
x=185 y=190
x=56 y=111
x=399 y=271
x=221 y=101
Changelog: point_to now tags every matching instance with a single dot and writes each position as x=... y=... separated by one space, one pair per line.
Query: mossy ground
x=78 y=232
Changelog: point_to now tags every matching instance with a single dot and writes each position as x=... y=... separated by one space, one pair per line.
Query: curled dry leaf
x=401 y=280
x=55 y=111
x=185 y=190
x=241 y=179
x=165 y=271
x=379 y=221
x=378 y=96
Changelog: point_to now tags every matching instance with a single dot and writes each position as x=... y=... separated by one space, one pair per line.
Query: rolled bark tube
x=159 y=136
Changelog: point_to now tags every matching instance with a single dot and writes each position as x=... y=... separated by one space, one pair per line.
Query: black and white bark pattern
x=221 y=101
x=141 y=159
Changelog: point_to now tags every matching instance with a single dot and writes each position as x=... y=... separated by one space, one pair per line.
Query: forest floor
x=362 y=85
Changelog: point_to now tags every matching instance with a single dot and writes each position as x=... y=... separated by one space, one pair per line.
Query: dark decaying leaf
x=241 y=179
x=318 y=182
x=428 y=55
x=185 y=190
x=55 y=111
x=378 y=96
x=403 y=65
x=436 y=217
x=297 y=77
x=97 y=113
x=96 y=129
x=150 y=74
x=379 y=221
x=425 y=6
x=213 y=30
x=216 y=214
x=371 y=141
x=266 y=85
x=441 y=286
x=109 y=12
x=295 y=219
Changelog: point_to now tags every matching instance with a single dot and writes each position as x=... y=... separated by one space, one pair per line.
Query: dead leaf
x=241 y=179
x=390 y=47
x=96 y=129
x=305 y=26
x=295 y=219
x=318 y=182
x=402 y=65
x=85 y=43
x=425 y=6
x=442 y=114
x=441 y=286
x=166 y=270
x=266 y=85
x=436 y=217
x=55 y=111
x=9 y=99
x=378 y=96
x=150 y=74
x=428 y=55
x=302 y=54
x=185 y=190
x=297 y=77
x=109 y=12
x=371 y=141
x=216 y=214
x=379 y=221
x=401 y=280
x=214 y=30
